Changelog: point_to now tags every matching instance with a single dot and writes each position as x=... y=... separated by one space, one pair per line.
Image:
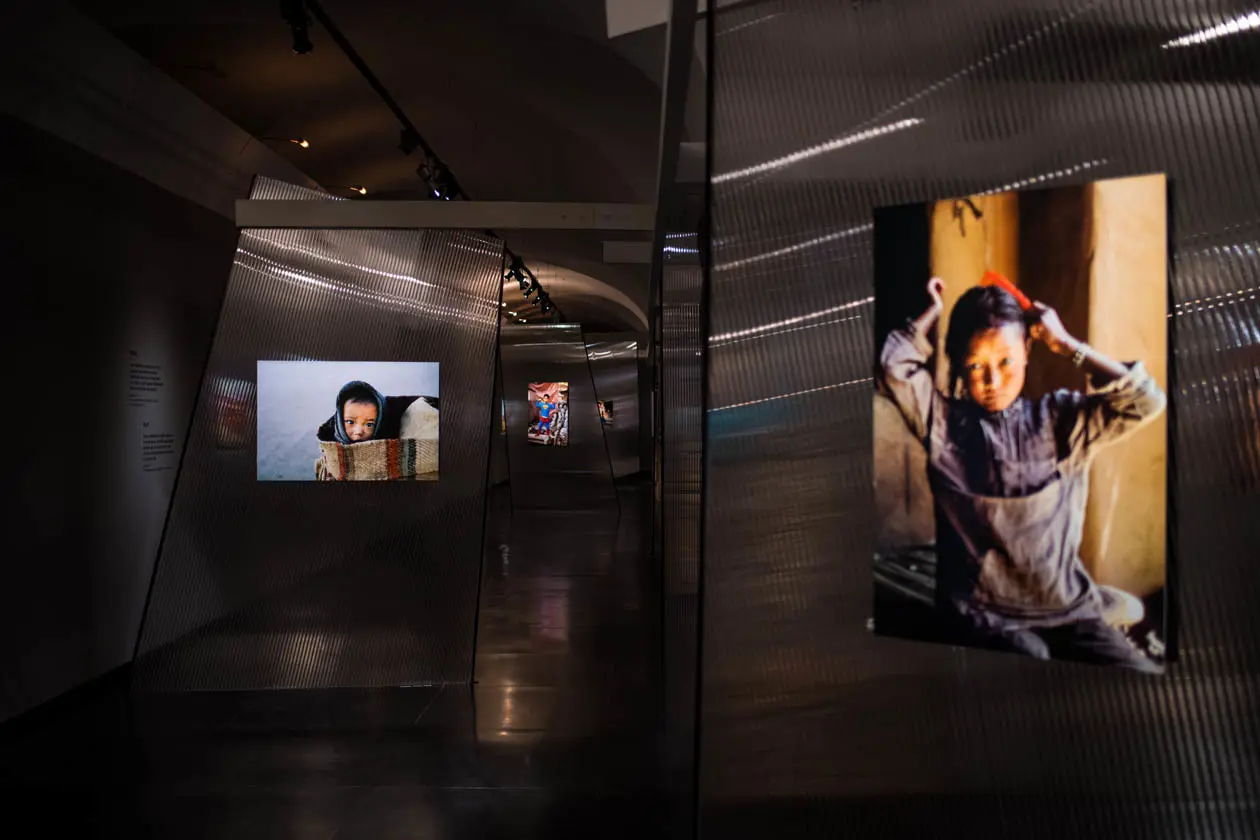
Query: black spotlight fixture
x=294 y=13
x=435 y=178
x=427 y=174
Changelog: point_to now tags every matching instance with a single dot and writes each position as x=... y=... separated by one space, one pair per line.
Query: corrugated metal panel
x=570 y=477
x=268 y=584
x=682 y=343
x=813 y=727
x=615 y=366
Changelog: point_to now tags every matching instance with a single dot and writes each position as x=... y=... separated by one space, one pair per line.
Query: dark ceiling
x=522 y=103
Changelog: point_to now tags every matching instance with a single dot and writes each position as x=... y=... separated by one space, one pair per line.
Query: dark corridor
x=557 y=734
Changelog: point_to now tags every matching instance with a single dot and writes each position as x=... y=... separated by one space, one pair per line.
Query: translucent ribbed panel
x=615 y=366
x=569 y=477
x=682 y=342
x=278 y=584
x=822 y=111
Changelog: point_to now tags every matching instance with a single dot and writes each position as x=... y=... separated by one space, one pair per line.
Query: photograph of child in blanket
x=328 y=421
x=404 y=427
x=1009 y=478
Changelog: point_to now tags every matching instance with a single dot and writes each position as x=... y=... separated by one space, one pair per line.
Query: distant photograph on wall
x=549 y=413
x=347 y=421
x=232 y=400
x=606 y=412
x=1021 y=441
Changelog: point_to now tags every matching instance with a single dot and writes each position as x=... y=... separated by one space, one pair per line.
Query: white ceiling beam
x=474 y=215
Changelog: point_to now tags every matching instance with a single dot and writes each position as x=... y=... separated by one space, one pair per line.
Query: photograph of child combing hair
x=1011 y=515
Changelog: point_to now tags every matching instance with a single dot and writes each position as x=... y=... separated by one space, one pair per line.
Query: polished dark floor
x=557 y=737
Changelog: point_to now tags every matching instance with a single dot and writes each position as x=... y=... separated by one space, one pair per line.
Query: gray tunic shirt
x=1010 y=487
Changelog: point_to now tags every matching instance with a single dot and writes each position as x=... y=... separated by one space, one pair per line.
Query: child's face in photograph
x=360 y=420
x=995 y=366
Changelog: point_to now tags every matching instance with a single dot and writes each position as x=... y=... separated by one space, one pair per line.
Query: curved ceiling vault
x=523 y=102
x=597 y=305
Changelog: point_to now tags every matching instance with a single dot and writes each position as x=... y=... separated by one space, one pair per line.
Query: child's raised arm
x=1124 y=397
x=904 y=372
x=1051 y=332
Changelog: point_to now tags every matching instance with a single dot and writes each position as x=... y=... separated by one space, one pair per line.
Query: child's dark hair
x=358 y=392
x=979 y=308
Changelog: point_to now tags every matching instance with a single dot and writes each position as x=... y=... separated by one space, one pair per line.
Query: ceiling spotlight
x=352 y=187
x=297 y=141
x=436 y=178
x=294 y=13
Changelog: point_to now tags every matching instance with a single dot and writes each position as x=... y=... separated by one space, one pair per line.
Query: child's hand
x=935 y=287
x=1050 y=330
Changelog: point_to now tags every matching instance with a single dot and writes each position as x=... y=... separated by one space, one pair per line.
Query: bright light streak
x=787 y=322
x=1251 y=20
x=792 y=249
x=848 y=384
x=815 y=151
x=786 y=330
x=1046 y=176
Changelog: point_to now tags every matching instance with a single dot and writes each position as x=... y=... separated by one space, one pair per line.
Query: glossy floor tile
x=557 y=736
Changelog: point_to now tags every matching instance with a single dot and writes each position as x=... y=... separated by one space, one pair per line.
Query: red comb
x=992 y=278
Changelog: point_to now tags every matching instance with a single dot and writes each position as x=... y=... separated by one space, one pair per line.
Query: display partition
x=813 y=725
x=682 y=479
x=564 y=465
x=301 y=583
x=614 y=359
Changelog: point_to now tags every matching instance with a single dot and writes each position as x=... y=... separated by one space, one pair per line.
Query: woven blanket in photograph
x=392 y=459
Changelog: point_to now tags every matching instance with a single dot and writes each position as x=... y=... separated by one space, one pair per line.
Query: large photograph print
x=347 y=421
x=1021 y=422
x=548 y=413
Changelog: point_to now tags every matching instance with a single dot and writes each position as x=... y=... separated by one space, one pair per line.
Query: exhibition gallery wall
x=326 y=526
x=241 y=551
x=121 y=340
x=556 y=447
x=315 y=537
x=980 y=442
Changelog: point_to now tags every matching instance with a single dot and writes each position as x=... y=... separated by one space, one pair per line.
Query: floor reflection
x=555 y=738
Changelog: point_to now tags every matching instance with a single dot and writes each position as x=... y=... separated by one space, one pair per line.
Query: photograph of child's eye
x=1021 y=440
x=347 y=421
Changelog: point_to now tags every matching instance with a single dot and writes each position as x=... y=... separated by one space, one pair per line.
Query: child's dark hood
x=335 y=429
x=389 y=412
